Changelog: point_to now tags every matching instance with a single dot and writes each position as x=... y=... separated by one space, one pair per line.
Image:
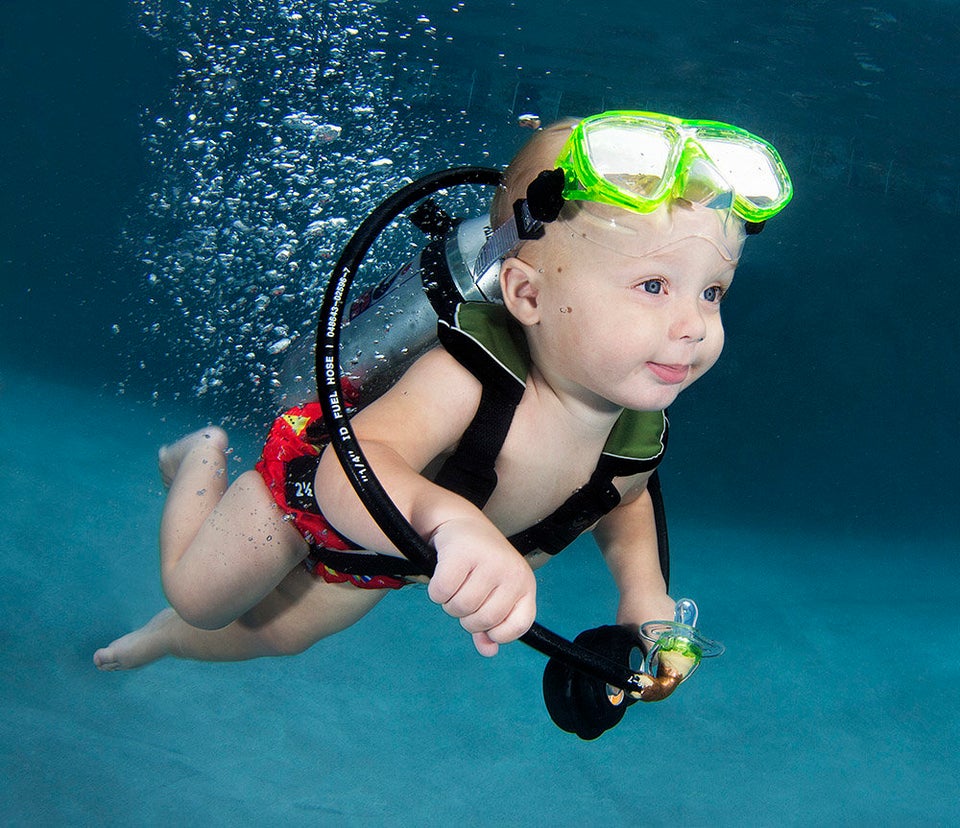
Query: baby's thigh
x=304 y=609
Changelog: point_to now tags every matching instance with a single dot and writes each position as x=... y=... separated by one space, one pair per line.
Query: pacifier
x=678 y=643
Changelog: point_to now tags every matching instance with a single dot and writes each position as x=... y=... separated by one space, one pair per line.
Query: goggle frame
x=685 y=141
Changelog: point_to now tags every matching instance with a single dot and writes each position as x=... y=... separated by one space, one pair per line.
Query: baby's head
x=624 y=231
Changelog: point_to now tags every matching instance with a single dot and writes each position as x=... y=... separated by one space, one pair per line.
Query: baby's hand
x=482 y=580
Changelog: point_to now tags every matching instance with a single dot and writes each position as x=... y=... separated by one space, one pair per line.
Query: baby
x=608 y=314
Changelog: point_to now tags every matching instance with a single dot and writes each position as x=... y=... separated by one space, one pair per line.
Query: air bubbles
x=282 y=135
x=313 y=126
x=279 y=346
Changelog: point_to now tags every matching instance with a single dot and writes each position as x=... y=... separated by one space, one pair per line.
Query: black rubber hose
x=345 y=444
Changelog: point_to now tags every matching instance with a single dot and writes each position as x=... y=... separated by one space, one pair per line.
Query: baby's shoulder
x=438 y=385
x=439 y=372
x=430 y=405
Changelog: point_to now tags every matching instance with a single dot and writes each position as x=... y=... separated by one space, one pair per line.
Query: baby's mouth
x=670 y=374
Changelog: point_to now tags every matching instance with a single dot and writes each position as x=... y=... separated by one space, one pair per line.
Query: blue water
x=161 y=163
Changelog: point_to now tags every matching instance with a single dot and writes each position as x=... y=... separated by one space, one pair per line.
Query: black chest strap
x=470 y=472
x=577 y=514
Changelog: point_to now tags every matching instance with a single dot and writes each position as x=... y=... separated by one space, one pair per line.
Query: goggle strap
x=500 y=242
x=543 y=203
x=526 y=226
x=545 y=196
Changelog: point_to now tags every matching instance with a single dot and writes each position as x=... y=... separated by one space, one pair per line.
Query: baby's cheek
x=708 y=358
x=717 y=338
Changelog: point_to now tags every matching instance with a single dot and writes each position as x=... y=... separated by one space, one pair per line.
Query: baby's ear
x=519 y=283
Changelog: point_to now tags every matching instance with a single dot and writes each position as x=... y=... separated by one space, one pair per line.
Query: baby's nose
x=688 y=322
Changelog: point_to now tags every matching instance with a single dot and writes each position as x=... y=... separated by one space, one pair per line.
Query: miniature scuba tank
x=388 y=326
x=392 y=324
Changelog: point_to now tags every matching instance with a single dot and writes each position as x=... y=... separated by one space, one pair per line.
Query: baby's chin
x=656 y=396
x=655 y=399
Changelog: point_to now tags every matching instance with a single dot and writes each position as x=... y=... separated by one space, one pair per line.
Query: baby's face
x=633 y=322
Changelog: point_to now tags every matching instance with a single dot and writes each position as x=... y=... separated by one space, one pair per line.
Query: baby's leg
x=297 y=614
x=241 y=550
x=194 y=469
x=211 y=441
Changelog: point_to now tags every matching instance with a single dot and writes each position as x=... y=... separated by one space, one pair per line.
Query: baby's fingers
x=497 y=622
x=444 y=584
x=516 y=622
x=485 y=645
x=461 y=592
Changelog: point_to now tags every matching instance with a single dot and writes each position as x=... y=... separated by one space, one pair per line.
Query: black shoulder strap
x=470 y=471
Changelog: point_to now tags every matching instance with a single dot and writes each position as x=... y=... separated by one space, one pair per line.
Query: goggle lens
x=751 y=171
x=633 y=158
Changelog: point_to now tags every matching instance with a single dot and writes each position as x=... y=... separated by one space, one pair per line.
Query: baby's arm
x=627 y=536
x=584 y=704
x=480 y=578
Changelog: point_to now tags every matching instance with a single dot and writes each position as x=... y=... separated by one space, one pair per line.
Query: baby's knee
x=192 y=606
x=197 y=615
x=284 y=640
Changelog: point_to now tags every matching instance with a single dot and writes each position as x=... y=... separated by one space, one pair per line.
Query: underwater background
x=176 y=179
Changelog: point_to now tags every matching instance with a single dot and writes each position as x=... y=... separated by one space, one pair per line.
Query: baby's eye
x=654 y=286
x=714 y=294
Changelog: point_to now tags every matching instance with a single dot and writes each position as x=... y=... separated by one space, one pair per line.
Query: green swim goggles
x=638 y=160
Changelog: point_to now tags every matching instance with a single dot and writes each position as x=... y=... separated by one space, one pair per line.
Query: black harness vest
x=487 y=342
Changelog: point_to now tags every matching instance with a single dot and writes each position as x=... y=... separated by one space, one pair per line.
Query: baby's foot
x=139 y=647
x=171 y=456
